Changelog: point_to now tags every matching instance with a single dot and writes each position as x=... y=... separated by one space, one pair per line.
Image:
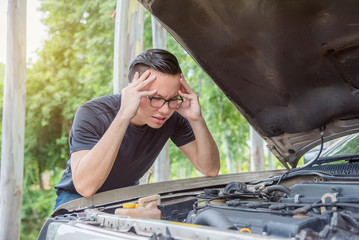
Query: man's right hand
x=132 y=94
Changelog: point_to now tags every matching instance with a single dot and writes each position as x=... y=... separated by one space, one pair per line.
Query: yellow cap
x=130 y=205
x=245 y=230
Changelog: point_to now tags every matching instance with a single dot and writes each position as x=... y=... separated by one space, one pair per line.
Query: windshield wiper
x=348 y=158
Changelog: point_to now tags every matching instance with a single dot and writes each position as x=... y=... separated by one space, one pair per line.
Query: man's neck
x=137 y=122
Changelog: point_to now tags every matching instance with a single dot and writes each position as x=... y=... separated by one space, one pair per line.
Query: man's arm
x=90 y=168
x=202 y=152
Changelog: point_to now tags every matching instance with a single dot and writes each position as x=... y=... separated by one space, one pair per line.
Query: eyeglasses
x=159 y=102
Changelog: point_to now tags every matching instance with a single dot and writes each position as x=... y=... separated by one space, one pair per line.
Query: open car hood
x=290 y=67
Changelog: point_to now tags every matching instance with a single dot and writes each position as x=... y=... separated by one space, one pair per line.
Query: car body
x=292 y=70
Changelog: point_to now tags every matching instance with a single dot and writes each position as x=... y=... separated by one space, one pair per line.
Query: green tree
x=74 y=65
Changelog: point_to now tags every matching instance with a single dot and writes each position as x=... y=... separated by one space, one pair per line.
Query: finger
x=142 y=77
x=145 y=75
x=145 y=82
x=135 y=77
x=147 y=93
x=186 y=95
x=185 y=85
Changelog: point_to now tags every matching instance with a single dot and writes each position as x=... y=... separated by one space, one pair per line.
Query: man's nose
x=164 y=109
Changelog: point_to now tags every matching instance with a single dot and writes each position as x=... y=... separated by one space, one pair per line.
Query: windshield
x=337 y=148
x=345 y=146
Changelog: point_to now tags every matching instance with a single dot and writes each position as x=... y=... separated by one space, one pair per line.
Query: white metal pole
x=13 y=122
x=158 y=34
x=128 y=44
x=120 y=44
x=128 y=40
x=257 y=152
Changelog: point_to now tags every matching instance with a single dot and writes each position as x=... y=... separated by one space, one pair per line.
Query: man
x=115 y=139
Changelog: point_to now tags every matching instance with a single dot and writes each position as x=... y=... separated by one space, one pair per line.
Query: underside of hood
x=290 y=67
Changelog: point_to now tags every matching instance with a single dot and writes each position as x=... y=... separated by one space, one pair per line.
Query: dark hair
x=158 y=59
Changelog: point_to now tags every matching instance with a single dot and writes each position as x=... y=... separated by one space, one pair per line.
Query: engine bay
x=318 y=210
x=315 y=202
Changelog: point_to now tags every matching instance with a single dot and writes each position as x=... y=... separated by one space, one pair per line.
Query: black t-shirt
x=139 y=147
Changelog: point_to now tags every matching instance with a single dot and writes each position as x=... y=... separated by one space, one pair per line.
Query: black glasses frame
x=166 y=101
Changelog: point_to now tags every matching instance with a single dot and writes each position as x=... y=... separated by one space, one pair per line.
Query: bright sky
x=35 y=30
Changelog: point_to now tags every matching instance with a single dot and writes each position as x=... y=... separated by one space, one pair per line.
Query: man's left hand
x=190 y=108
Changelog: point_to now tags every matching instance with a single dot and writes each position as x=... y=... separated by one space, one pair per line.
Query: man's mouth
x=159 y=119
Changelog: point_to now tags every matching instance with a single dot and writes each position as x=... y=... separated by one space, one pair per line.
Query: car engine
x=319 y=209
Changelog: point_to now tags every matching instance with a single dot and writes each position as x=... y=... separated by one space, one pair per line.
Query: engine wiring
x=322 y=129
x=283 y=209
x=244 y=204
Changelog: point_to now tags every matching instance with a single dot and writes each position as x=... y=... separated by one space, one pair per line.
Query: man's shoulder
x=97 y=114
x=178 y=117
x=103 y=104
x=175 y=120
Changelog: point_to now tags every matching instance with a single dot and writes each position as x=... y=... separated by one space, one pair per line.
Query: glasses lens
x=175 y=103
x=157 y=102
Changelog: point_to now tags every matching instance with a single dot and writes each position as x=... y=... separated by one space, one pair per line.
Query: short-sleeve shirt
x=139 y=148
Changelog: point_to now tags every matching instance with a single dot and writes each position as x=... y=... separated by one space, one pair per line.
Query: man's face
x=167 y=87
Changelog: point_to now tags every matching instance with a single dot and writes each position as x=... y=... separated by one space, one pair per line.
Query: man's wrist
x=197 y=122
x=123 y=118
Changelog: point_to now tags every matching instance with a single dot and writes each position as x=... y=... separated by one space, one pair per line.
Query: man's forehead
x=167 y=85
x=165 y=91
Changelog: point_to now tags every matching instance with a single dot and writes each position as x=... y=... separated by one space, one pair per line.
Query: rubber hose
x=213 y=218
x=279 y=188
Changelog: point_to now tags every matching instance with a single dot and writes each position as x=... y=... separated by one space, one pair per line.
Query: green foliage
x=37 y=203
x=74 y=66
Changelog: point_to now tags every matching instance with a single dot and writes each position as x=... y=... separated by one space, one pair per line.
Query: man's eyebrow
x=160 y=96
